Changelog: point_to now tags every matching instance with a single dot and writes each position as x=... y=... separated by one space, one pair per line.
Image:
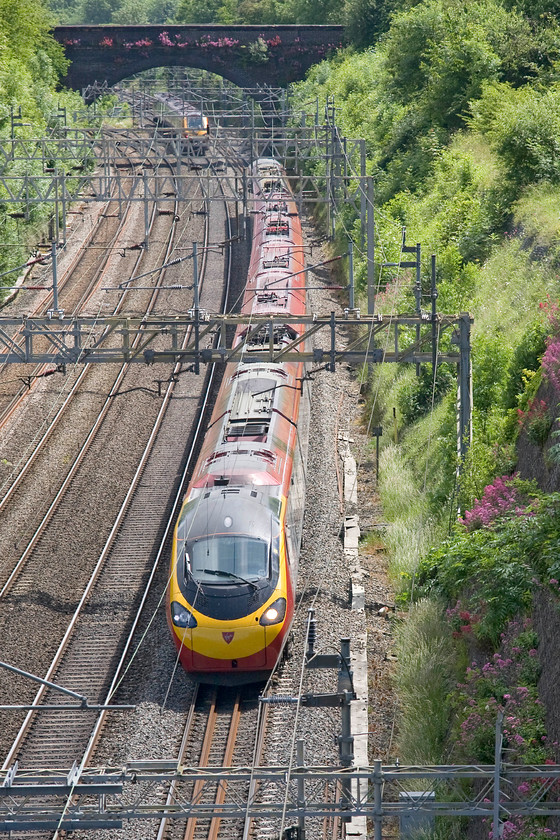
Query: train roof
x=225 y=510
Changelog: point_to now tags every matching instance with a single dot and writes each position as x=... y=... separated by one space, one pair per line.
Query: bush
x=524 y=127
x=526 y=357
x=504 y=496
x=507 y=680
x=490 y=359
x=422 y=394
x=494 y=569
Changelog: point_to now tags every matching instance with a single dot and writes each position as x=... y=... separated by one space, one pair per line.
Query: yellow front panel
x=246 y=641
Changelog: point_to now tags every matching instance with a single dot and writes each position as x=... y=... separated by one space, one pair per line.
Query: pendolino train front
x=236 y=542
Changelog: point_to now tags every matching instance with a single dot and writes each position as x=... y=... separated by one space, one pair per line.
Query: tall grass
x=407 y=509
x=510 y=287
x=536 y=214
x=424 y=679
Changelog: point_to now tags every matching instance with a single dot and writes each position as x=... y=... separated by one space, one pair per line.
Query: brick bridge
x=246 y=55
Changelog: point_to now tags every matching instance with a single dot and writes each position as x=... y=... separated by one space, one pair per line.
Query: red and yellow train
x=184 y=118
x=236 y=542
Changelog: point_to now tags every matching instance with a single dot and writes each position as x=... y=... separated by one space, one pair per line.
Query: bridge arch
x=246 y=55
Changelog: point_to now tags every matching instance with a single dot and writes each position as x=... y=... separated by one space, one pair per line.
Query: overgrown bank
x=37 y=115
x=460 y=110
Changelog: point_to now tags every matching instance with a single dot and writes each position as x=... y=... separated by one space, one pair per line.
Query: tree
x=192 y=11
x=98 y=11
x=366 y=20
x=258 y=12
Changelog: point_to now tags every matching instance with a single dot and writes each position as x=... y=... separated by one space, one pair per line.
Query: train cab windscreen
x=217 y=559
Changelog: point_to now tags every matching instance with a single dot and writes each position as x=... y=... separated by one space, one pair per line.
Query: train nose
x=230 y=643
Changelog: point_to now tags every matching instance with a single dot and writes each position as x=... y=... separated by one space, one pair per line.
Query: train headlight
x=181 y=616
x=275 y=613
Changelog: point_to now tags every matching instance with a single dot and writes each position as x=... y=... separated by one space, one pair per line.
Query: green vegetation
x=459 y=106
x=425 y=678
x=31 y=62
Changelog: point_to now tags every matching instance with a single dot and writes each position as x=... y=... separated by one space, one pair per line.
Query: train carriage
x=236 y=542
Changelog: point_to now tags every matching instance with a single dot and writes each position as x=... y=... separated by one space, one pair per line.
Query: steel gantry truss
x=377 y=338
x=93 y=798
x=71 y=340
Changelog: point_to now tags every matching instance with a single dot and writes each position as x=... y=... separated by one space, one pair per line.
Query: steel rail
x=120 y=669
x=55 y=420
x=63 y=281
x=207 y=744
x=66 y=276
x=82 y=452
x=24 y=729
x=227 y=762
x=171 y=793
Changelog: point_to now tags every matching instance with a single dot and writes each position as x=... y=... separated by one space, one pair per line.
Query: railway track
x=221 y=731
x=79 y=392
x=98 y=649
x=20 y=486
x=98 y=630
x=79 y=277
x=19 y=593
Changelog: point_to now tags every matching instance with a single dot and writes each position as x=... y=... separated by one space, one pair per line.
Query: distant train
x=185 y=118
x=237 y=539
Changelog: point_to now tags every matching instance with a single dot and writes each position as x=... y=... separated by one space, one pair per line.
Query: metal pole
x=63 y=186
x=377 y=800
x=56 y=229
x=120 y=193
x=351 y=272
x=196 y=301
x=244 y=231
x=335 y=166
x=496 y=828
x=465 y=395
x=196 y=304
x=54 y=276
x=370 y=248
x=178 y=154
x=328 y=166
x=146 y=214
x=363 y=205
x=40 y=680
x=300 y=757
x=346 y=740
x=252 y=129
x=106 y=170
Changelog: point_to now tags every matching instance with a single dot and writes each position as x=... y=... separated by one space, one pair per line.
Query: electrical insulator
x=311 y=633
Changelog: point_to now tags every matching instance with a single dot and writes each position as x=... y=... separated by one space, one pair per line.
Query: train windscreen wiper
x=223 y=573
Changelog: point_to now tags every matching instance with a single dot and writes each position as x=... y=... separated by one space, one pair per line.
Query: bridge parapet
x=246 y=55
